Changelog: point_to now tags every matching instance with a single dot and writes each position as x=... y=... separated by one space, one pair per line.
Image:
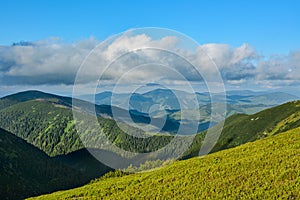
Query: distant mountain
x=27 y=171
x=265 y=169
x=133 y=101
x=161 y=103
x=267 y=99
x=245 y=92
x=168 y=98
x=165 y=98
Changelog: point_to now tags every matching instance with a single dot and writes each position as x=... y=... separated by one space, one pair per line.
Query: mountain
x=101 y=110
x=268 y=99
x=47 y=123
x=44 y=123
x=265 y=169
x=105 y=111
x=241 y=128
x=25 y=96
x=27 y=171
x=168 y=99
x=164 y=103
x=128 y=101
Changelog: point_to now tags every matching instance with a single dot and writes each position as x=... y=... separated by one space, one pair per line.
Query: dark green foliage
x=50 y=126
x=26 y=171
x=83 y=162
x=130 y=143
x=43 y=124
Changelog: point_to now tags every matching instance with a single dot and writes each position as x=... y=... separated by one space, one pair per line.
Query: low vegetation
x=264 y=169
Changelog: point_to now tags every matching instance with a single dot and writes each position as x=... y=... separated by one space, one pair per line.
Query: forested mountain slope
x=27 y=171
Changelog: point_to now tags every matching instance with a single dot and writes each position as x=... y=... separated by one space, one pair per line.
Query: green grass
x=240 y=128
x=264 y=169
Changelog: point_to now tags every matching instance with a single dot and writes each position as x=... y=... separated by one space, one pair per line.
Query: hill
x=265 y=169
x=241 y=128
x=105 y=111
x=47 y=123
x=27 y=171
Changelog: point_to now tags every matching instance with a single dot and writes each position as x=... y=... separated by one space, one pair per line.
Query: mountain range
x=169 y=99
x=170 y=104
x=40 y=133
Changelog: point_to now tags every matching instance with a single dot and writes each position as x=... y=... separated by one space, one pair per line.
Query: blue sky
x=269 y=26
x=256 y=43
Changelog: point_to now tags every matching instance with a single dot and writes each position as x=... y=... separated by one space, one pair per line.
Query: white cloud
x=53 y=62
x=281 y=68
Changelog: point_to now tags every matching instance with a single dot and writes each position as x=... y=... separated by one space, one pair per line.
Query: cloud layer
x=54 y=62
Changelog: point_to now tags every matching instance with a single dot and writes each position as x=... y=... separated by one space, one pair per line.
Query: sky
x=257 y=40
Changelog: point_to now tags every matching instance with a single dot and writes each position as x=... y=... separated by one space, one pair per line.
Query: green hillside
x=27 y=171
x=49 y=125
x=265 y=169
x=240 y=128
x=46 y=121
x=101 y=110
x=24 y=96
x=42 y=123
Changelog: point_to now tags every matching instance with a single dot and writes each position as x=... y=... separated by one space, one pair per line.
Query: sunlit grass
x=265 y=169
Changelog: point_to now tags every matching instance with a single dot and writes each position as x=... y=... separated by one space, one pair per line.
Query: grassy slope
x=240 y=128
x=244 y=128
x=265 y=169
